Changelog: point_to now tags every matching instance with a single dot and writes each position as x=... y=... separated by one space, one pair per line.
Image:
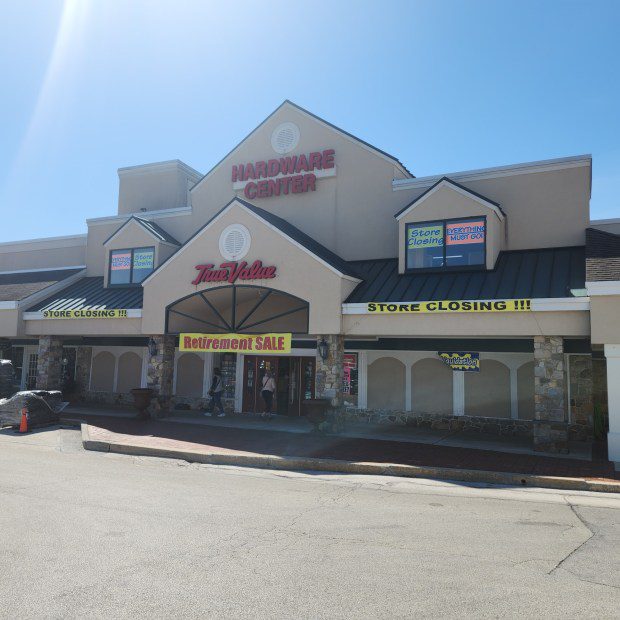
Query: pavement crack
x=578 y=547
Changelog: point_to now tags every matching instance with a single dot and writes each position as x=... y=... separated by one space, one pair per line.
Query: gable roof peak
x=447 y=181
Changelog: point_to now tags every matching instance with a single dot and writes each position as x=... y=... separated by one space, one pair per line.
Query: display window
x=446 y=244
x=131 y=266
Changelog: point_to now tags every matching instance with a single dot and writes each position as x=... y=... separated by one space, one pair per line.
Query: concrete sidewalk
x=284 y=450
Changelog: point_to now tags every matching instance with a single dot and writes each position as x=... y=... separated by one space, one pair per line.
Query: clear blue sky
x=90 y=86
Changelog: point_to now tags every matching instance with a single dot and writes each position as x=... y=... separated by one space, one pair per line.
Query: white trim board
x=161 y=213
x=545 y=165
x=170 y=164
x=604 y=287
x=551 y=304
x=81 y=238
x=5 y=273
x=132 y=313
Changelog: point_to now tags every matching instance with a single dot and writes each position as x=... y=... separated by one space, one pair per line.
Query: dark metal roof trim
x=154 y=229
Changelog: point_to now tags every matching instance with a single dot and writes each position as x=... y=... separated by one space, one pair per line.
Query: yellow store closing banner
x=111 y=313
x=436 y=307
x=233 y=343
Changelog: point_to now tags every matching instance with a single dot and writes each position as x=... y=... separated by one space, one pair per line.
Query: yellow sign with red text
x=269 y=344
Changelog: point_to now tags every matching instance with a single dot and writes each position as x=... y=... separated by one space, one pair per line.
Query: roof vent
x=285 y=138
x=234 y=242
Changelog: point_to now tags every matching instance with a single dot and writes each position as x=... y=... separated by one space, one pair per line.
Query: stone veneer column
x=49 y=363
x=83 y=362
x=160 y=372
x=550 y=427
x=329 y=372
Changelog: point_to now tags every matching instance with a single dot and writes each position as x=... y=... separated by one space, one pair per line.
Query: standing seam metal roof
x=518 y=274
x=89 y=294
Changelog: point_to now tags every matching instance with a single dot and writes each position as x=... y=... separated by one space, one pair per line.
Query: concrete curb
x=267 y=461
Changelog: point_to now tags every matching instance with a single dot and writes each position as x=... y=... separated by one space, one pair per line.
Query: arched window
x=102 y=377
x=431 y=387
x=487 y=393
x=129 y=372
x=239 y=309
x=190 y=369
x=386 y=384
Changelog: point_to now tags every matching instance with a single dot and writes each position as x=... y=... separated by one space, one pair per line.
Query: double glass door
x=294 y=378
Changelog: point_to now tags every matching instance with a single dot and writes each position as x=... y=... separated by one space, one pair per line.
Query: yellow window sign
x=271 y=344
x=110 y=313
x=436 y=307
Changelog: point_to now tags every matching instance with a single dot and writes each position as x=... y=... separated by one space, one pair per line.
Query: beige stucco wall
x=352 y=213
x=154 y=187
x=133 y=235
x=298 y=273
x=463 y=325
x=43 y=254
x=9 y=323
x=446 y=203
x=544 y=209
x=605 y=318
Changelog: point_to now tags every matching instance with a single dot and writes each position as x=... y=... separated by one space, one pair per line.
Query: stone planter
x=315 y=409
x=141 y=401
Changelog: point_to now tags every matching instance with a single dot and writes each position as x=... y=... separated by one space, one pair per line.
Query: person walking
x=268 y=389
x=215 y=392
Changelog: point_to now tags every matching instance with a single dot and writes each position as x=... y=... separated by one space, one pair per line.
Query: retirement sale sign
x=233 y=343
x=437 y=307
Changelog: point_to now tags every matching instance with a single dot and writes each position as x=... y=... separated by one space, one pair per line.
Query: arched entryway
x=250 y=310
x=238 y=309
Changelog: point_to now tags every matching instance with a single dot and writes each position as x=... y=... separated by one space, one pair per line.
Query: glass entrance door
x=294 y=377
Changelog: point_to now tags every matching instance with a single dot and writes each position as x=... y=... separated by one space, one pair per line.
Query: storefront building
x=482 y=299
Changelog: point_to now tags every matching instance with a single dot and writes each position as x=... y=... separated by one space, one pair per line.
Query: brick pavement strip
x=142 y=444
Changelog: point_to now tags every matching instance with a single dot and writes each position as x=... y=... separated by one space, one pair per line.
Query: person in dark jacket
x=215 y=392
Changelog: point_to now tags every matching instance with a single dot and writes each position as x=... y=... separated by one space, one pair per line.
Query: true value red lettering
x=233 y=271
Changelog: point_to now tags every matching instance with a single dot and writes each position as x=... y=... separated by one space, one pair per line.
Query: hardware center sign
x=294 y=174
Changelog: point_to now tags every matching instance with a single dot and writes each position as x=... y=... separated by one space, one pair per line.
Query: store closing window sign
x=294 y=174
x=235 y=343
x=437 y=307
x=450 y=243
x=464 y=361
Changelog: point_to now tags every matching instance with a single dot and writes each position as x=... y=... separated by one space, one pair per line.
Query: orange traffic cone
x=23 y=425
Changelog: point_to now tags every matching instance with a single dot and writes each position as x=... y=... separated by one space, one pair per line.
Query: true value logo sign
x=232 y=271
x=294 y=174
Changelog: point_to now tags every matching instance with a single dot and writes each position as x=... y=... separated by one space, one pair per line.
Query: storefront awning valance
x=519 y=274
